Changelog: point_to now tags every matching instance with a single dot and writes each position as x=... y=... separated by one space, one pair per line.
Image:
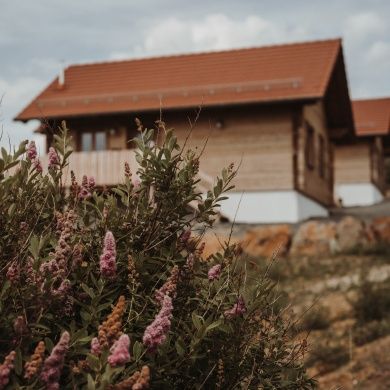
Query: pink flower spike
x=214 y=272
x=53 y=158
x=38 y=165
x=96 y=348
x=136 y=181
x=156 y=333
x=52 y=367
x=91 y=183
x=5 y=369
x=120 y=352
x=31 y=151
x=238 y=309
x=108 y=257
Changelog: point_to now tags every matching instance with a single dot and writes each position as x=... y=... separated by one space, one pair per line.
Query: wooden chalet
x=360 y=175
x=276 y=110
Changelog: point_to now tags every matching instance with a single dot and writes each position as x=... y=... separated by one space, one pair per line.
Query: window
x=93 y=141
x=100 y=140
x=309 y=147
x=86 y=142
x=321 y=155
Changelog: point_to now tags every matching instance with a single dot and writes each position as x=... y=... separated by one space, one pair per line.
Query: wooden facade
x=362 y=162
x=269 y=144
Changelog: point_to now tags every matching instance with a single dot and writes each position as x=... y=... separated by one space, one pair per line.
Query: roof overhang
x=338 y=105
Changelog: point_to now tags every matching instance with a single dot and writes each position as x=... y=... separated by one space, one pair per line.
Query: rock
x=381 y=228
x=352 y=233
x=314 y=239
x=267 y=241
x=215 y=243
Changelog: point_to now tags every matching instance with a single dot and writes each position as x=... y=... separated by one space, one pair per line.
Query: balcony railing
x=107 y=167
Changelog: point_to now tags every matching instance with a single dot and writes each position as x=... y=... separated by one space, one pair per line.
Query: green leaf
x=93 y=362
x=34 y=246
x=18 y=363
x=180 y=347
x=91 y=383
x=88 y=290
x=213 y=325
x=49 y=344
x=197 y=320
x=137 y=350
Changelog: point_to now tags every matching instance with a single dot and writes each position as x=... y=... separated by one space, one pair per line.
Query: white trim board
x=271 y=207
x=358 y=194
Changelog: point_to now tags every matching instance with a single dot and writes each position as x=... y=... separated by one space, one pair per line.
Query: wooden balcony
x=107 y=167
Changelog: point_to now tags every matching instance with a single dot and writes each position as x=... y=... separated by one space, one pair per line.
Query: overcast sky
x=37 y=35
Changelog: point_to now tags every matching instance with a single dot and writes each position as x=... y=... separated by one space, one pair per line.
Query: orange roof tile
x=372 y=116
x=270 y=73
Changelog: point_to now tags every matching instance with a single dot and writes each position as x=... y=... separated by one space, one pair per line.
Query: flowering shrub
x=107 y=289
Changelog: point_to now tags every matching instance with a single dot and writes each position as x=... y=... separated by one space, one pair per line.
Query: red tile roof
x=372 y=116
x=270 y=73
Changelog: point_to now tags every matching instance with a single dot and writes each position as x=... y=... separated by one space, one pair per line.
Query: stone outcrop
x=381 y=229
x=353 y=233
x=267 y=241
x=313 y=238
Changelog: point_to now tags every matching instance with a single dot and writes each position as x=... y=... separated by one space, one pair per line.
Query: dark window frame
x=310 y=152
x=321 y=156
x=93 y=135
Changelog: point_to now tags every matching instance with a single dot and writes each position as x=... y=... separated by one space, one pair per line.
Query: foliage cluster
x=107 y=288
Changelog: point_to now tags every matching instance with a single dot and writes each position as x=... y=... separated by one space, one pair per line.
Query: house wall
x=310 y=181
x=359 y=172
x=258 y=141
x=287 y=206
x=266 y=143
x=353 y=163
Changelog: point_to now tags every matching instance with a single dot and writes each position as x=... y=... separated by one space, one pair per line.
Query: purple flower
x=5 y=369
x=169 y=287
x=87 y=186
x=136 y=181
x=20 y=326
x=38 y=165
x=238 y=309
x=91 y=183
x=13 y=272
x=52 y=366
x=214 y=272
x=108 y=257
x=185 y=236
x=120 y=352
x=156 y=333
x=96 y=348
x=31 y=151
x=63 y=290
x=53 y=158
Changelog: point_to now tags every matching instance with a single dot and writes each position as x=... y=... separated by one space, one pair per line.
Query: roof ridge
x=205 y=52
x=368 y=99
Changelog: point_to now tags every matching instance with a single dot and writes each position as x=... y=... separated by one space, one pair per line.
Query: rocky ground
x=334 y=275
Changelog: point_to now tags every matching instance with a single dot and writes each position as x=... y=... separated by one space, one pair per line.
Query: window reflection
x=100 y=140
x=86 y=142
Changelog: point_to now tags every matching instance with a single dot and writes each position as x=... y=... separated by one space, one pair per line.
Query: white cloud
x=213 y=32
x=15 y=95
x=364 y=25
x=379 y=53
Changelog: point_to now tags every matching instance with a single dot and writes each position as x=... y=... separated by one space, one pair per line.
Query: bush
x=373 y=302
x=329 y=355
x=316 y=319
x=107 y=289
x=371 y=331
